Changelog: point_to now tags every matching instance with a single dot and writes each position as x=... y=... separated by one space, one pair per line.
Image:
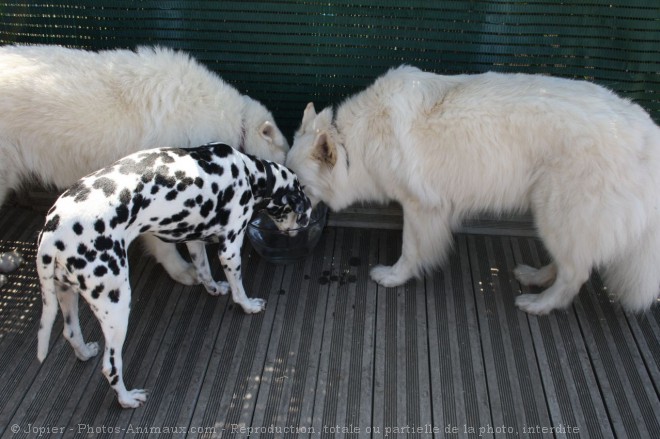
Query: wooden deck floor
x=334 y=355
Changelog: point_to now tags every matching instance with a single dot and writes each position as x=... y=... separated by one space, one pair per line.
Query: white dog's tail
x=46 y=271
x=634 y=277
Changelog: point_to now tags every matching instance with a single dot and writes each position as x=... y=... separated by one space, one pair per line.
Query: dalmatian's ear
x=298 y=202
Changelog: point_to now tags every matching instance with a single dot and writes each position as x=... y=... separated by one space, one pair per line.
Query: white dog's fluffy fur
x=65 y=113
x=586 y=162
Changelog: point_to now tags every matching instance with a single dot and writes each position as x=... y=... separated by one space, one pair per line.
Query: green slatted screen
x=286 y=53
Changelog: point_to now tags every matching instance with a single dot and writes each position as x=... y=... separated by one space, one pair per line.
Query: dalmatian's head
x=290 y=208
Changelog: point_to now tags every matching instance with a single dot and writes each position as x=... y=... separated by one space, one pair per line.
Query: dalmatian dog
x=195 y=196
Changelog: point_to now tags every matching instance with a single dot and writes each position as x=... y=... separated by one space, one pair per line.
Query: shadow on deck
x=335 y=353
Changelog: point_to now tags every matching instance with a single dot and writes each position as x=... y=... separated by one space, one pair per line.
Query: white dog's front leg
x=69 y=304
x=426 y=238
x=167 y=254
x=200 y=260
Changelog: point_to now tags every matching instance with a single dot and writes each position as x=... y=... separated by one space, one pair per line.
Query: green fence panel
x=286 y=53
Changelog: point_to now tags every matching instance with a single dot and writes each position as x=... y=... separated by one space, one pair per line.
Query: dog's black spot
x=46 y=259
x=214 y=187
x=82 y=249
x=260 y=166
x=78 y=191
x=234 y=170
x=245 y=198
x=125 y=196
x=99 y=226
x=147 y=176
x=227 y=195
x=100 y=270
x=206 y=208
x=60 y=245
x=171 y=195
x=107 y=185
x=114 y=381
x=223 y=216
x=164 y=180
x=113 y=295
x=81 y=282
x=90 y=255
x=154 y=189
x=74 y=262
x=145 y=228
x=78 y=229
x=96 y=292
x=118 y=248
x=120 y=217
x=112 y=265
x=103 y=243
x=52 y=224
x=199 y=182
x=284 y=175
x=180 y=216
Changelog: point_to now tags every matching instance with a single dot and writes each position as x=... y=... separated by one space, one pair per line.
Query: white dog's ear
x=308 y=115
x=325 y=150
x=267 y=131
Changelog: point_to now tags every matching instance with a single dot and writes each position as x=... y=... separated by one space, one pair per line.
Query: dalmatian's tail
x=46 y=271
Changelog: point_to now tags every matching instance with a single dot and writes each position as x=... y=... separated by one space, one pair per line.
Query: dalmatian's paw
x=88 y=351
x=253 y=306
x=217 y=288
x=133 y=398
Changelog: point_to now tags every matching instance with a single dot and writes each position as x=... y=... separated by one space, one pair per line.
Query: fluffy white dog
x=586 y=162
x=65 y=113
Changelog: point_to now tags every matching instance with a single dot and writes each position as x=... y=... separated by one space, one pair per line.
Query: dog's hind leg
x=68 y=300
x=426 y=238
x=559 y=295
x=200 y=260
x=230 y=258
x=167 y=255
x=114 y=324
x=48 y=314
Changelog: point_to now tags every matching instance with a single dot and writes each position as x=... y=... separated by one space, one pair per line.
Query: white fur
x=585 y=161
x=65 y=113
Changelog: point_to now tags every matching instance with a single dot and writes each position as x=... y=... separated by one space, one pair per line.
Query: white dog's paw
x=132 y=398
x=387 y=276
x=252 y=306
x=534 y=304
x=186 y=275
x=88 y=351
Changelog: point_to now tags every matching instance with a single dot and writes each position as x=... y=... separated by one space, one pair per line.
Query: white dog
x=65 y=113
x=586 y=162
